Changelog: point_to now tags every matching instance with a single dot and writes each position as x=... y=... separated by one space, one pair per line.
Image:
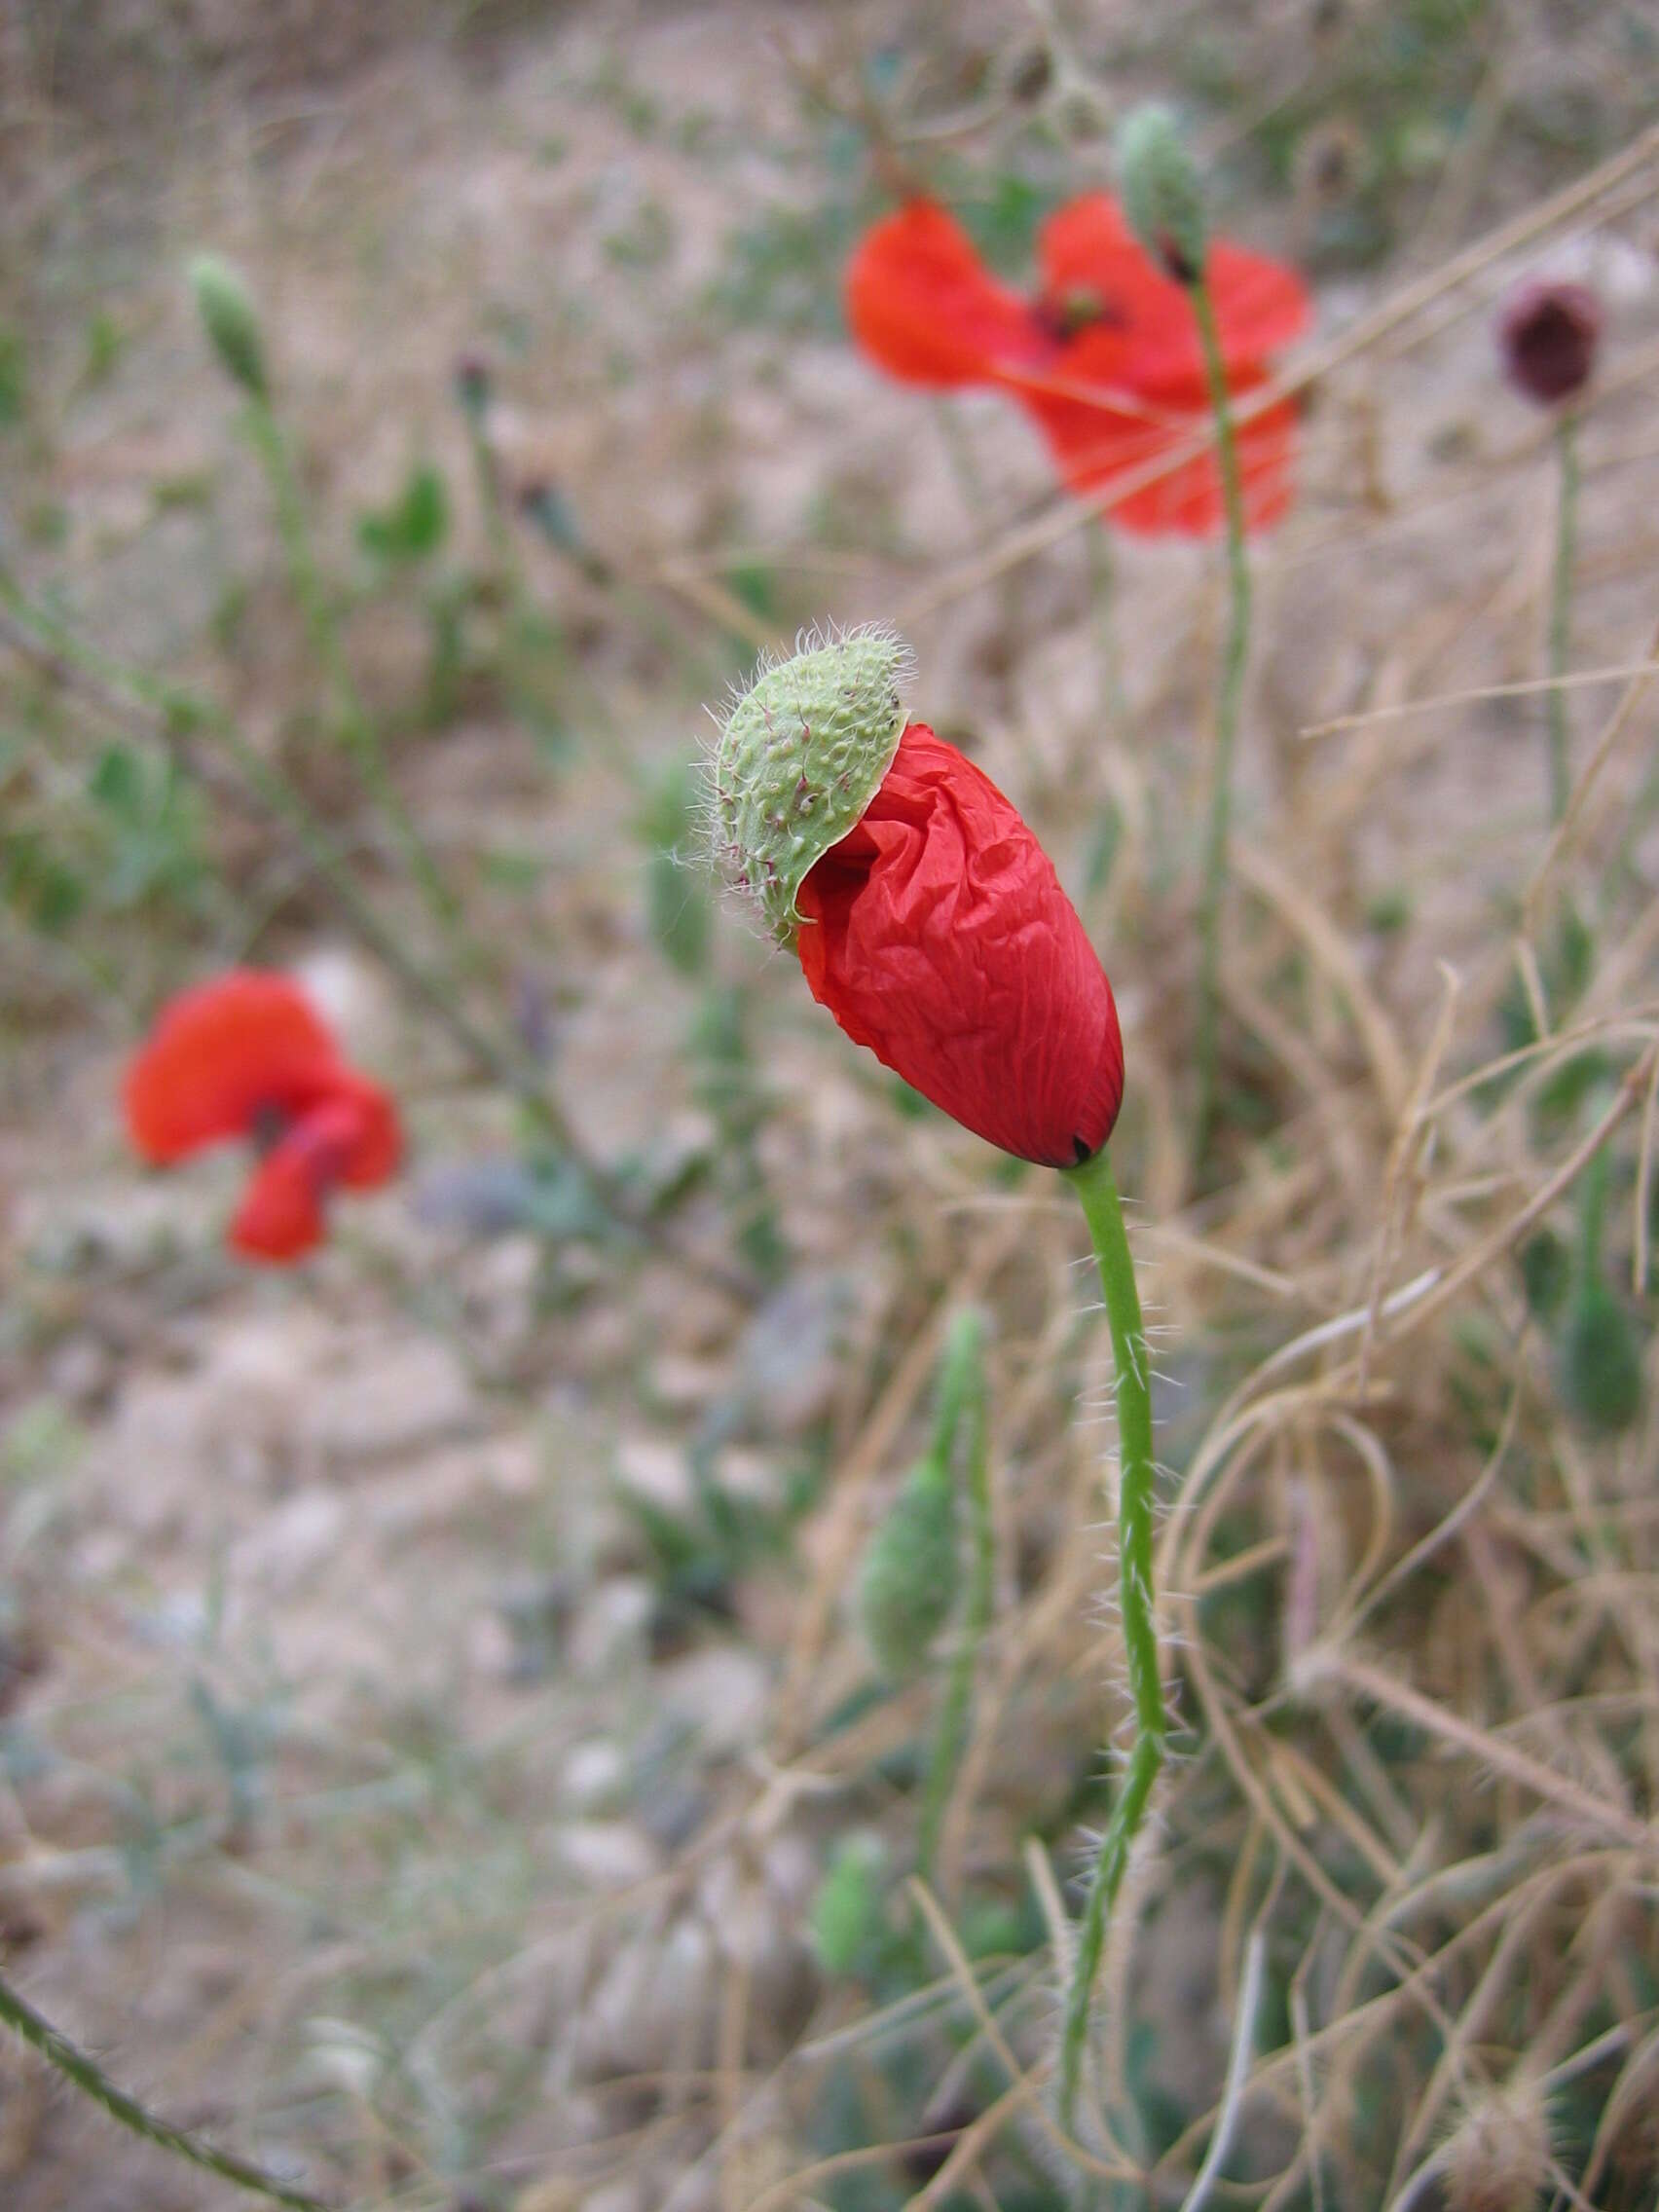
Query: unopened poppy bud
x=1549 y=333
x=231 y=321
x=1028 y=72
x=1163 y=196
x=925 y=914
x=909 y=1582
x=801 y=754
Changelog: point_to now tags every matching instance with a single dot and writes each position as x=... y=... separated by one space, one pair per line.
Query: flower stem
x=353 y=720
x=1098 y=1191
x=961 y=1419
x=1561 y=610
x=1213 y=886
x=92 y=2081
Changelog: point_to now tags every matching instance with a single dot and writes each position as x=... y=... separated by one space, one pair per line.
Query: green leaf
x=414 y=524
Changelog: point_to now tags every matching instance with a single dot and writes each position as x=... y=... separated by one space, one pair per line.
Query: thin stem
x=1213 y=887
x=1098 y=1191
x=1561 y=610
x=92 y=2081
x=961 y=1421
x=354 y=723
x=488 y=478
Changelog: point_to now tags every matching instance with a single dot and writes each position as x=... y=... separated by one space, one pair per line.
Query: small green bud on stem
x=912 y=1570
x=1164 y=197
x=232 y=323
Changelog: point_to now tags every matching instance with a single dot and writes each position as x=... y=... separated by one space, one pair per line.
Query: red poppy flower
x=936 y=932
x=1105 y=358
x=248 y=1055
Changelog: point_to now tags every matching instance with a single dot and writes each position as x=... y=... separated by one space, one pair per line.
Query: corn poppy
x=925 y=914
x=1105 y=358
x=247 y=1056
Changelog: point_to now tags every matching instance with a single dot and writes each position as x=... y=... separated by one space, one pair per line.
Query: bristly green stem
x=1561 y=610
x=960 y=1435
x=1097 y=1190
x=92 y=2081
x=1214 y=888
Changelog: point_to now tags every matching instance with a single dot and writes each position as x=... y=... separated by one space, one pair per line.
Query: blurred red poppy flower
x=247 y=1056
x=1105 y=358
x=938 y=935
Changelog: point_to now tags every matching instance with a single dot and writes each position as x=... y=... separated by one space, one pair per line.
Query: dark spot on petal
x=1065 y=315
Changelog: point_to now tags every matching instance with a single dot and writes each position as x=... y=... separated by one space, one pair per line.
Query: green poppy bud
x=847 y=1911
x=799 y=757
x=1164 y=197
x=909 y=1582
x=231 y=321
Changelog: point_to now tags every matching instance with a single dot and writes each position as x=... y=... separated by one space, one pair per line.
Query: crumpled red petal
x=938 y=935
x=924 y=307
x=221 y=1054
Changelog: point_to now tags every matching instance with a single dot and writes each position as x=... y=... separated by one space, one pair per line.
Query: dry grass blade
x=1527 y=688
x=1580 y=1805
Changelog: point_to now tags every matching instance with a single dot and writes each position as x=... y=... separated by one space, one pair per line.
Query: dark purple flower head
x=1548 y=333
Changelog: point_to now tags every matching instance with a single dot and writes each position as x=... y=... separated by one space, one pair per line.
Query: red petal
x=221 y=1054
x=351 y=1138
x=924 y=307
x=281 y=1215
x=1096 y=444
x=1081 y=238
x=361 y=1122
x=1260 y=304
x=1087 y=247
x=937 y=934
